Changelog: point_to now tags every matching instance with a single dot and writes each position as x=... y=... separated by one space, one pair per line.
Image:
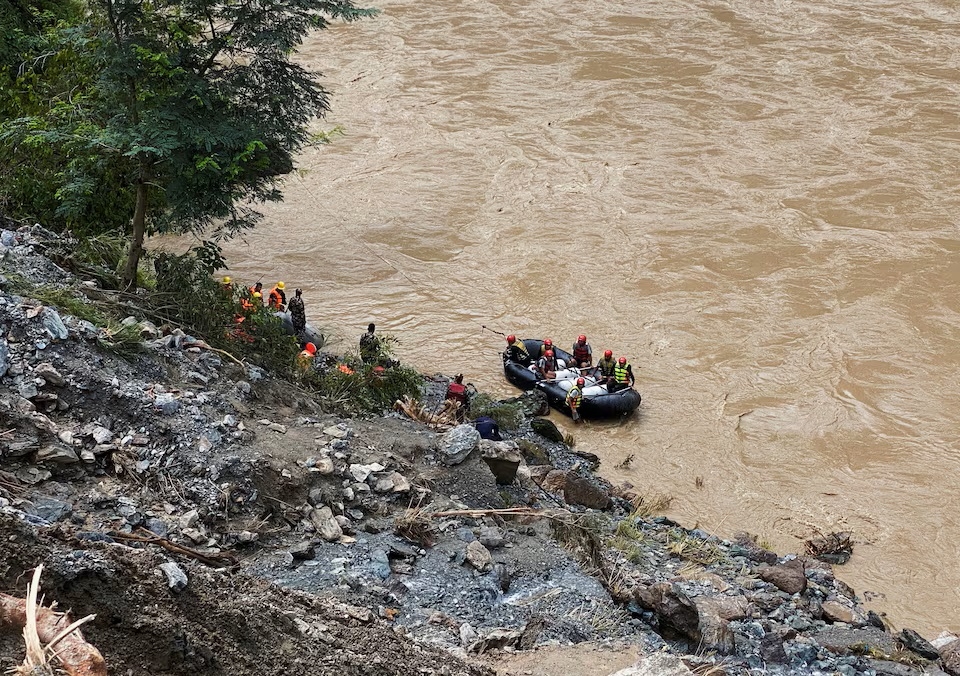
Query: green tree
x=194 y=109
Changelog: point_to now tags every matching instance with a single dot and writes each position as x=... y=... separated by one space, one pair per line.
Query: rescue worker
x=605 y=367
x=488 y=428
x=226 y=284
x=277 y=299
x=622 y=376
x=574 y=399
x=298 y=314
x=370 y=345
x=305 y=358
x=547 y=365
x=257 y=299
x=457 y=393
x=582 y=353
x=517 y=351
x=257 y=288
x=547 y=345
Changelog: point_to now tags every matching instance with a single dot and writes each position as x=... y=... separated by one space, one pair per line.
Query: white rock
x=337 y=432
x=102 y=435
x=176 y=578
x=189 y=519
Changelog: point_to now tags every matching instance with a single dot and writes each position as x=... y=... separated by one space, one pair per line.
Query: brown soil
x=222 y=623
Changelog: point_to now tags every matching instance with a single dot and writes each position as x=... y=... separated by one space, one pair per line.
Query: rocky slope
x=219 y=521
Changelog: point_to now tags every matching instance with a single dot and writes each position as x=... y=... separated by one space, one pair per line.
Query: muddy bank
x=306 y=542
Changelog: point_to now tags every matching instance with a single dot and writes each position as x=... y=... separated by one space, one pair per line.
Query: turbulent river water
x=755 y=201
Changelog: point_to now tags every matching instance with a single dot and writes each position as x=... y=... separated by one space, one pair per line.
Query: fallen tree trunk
x=55 y=631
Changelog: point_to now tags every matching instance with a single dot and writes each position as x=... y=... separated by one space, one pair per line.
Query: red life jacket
x=457 y=392
x=581 y=353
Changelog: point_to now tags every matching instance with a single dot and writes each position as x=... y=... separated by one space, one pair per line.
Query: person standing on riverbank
x=370 y=345
x=298 y=313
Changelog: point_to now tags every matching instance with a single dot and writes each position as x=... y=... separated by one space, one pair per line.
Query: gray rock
x=167 y=403
x=4 y=357
x=657 y=664
x=468 y=634
x=54 y=325
x=57 y=454
x=714 y=628
x=496 y=638
x=176 y=578
x=50 y=374
x=479 y=557
x=189 y=519
x=788 y=577
x=841 y=640
x=51 y=509
x=27 y=389
x=158 y=527
x=578 y=490
x=771 y=649
x=546 y=429
x=950 y=658
x=503 y=458
x=303 y=550
x=492 y=537
x=886 y=668
x=102 y=435
x=325 y=523
x=911 y=640
x=676 y=612
x=459 y=443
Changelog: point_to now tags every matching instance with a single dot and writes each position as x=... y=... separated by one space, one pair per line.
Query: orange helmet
x=311 y=348
x=608 y=354
x=511 y=339
x=580 y=381
x=548 y=342
x=622 y=360
x=581 y=338
x=548 y=353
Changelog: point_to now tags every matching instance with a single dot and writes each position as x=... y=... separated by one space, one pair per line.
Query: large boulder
x=546 y=429
x=503 y=459
x=578 y=490
x=788 y=577
x=459 y=443
x=675 y=611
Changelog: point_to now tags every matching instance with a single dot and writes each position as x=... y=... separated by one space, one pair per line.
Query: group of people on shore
x=613 y=374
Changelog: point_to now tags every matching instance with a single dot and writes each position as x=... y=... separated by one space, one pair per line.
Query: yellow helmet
x=257 y=294
x=280 y=286
x=227 y=280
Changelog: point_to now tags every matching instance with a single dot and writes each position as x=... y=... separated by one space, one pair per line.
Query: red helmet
x=511 y=339
x=548 y=342
x=580 y=381
x=622 y=360
x=608 y=354
x=548 y=353
x=581 y=338
x=311 y=348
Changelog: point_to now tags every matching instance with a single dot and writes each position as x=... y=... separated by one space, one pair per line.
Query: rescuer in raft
x=582 y=353
x=517 y=351
x=574 y=399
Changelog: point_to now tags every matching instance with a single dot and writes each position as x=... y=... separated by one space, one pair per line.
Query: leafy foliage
x=508 y=416
x=190 y=110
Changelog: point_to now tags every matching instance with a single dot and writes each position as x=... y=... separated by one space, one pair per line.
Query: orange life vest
x=276 y=300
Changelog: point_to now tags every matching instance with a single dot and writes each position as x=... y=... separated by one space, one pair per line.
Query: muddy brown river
x=756 y=202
